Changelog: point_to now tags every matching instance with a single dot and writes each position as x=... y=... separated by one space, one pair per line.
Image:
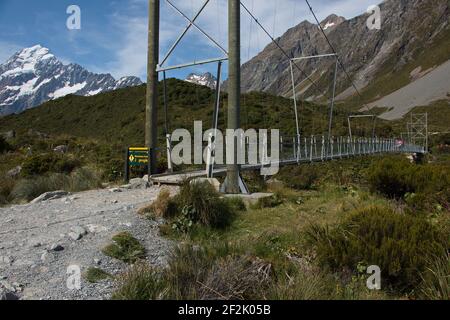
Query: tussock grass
x=436 y=278
x=125 y=248
x=95 y=275
x=213 y=273
x=163 y=207
x=141 y=282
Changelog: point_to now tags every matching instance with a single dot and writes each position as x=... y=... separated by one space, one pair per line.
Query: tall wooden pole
x=151 y=108
x=234 y=87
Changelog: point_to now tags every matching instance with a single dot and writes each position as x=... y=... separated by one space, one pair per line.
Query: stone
x=8 y=286
x=98 y=261
x=50 y=196
x=80 y=230
x=47 y=257
x=137 y=183
x=61 y=149
x=56 y=247
x=75 y=236
x=14 y=173
x=7 y=295
x=35 y=244
x=115 y=190
x=6 y=260
x=213 y=181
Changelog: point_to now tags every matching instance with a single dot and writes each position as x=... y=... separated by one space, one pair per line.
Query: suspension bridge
x=293 y=150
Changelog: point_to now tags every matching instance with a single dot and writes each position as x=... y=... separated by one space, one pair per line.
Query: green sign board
x=137 y=157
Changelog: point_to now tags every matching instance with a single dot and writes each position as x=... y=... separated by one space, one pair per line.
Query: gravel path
x=37 y=241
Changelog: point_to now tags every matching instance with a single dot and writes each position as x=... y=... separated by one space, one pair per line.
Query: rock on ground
x=38 y=254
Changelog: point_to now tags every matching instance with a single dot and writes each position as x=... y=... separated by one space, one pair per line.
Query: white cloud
x=276 y=16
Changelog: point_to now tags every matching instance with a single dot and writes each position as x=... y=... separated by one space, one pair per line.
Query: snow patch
x=329 y=25
x=68 y=89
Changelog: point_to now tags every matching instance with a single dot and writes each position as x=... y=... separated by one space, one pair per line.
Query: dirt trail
x=37 y=241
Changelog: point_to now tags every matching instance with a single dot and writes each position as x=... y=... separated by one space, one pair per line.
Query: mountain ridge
x=34 y=75
x=409 y=29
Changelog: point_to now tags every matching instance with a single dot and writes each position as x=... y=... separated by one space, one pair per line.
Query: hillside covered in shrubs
x=314 y=239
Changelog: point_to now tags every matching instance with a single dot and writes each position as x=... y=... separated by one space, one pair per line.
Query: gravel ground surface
x=38 y=243
x=435 y=85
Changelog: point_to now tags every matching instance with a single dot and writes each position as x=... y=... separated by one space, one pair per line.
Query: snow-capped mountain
x=33 y=76
x=331 y=22
x=206 y=79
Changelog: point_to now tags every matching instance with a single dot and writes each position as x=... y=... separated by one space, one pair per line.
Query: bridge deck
x=178 y=178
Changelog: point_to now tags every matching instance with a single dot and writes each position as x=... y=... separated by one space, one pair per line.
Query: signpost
x=136 y=157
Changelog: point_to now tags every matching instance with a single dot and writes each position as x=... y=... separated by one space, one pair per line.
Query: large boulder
x=14 y=173
x=7 y=295
x=52 y=195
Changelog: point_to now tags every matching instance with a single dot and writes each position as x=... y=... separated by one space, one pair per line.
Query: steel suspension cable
x=279 y=47
x=332 y=48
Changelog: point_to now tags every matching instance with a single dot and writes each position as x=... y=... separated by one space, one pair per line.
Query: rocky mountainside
x=410 y=29
x=34 y=75
x=206 y=79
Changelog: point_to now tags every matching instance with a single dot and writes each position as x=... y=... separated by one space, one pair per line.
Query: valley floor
x=32 y=266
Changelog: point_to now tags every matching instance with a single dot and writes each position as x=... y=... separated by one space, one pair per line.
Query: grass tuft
x=95 y=275
x=125 y=248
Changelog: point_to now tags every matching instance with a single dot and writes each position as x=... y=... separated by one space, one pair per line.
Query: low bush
x=141 y=282
x=94 y=275
x=48 y=162
x=201 y=203
x=6 y=187
x=396 y=177
x=211 y=274
x=163 y=207
x=303 y=177
x=125 y=248
x=420 y=185
x=399 y=244
x=80 y=180
x=269 y=202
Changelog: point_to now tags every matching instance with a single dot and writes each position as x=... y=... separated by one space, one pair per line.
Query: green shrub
x=49 y=162
x=236 y=204
x=392 y=177
x=163 y=207
x=269 y=202
x=399 y=244
x=202 y=204
x=94 y=275
x=29 y=189
x=212 y=273
x=6 y=187
x=141 y=282
x=125 y=248
x=396 y=177
x=303 y=177
x=80 y=180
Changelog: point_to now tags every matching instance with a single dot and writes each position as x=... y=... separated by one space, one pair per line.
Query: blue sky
x=113 y=38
